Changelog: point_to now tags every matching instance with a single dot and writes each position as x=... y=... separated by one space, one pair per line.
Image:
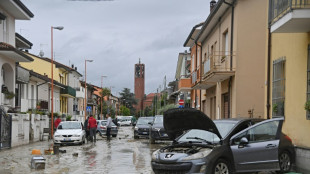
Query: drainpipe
x=200 y=63
x=268 y=73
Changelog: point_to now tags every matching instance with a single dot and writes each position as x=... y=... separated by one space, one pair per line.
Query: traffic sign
x=88 y=108
x=181 y=102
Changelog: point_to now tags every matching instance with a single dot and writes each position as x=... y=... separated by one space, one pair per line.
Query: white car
x=124 y=122
x=70 y=132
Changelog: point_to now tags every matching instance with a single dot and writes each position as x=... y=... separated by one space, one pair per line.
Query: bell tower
x=139 y=85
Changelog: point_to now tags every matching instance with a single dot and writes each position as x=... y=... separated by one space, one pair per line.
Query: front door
x=261 y=151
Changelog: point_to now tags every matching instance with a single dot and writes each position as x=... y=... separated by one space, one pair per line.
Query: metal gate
x=6 y=129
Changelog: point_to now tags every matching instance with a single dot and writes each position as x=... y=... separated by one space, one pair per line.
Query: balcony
x=184 y=84
x=68 y=92
x=217 y=67
x=289 y=16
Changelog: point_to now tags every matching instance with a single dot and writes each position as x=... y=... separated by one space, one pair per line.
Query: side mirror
x=59 y=127
x=150 y=123
x=244 y=141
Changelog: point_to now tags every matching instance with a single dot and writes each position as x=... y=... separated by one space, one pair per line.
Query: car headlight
x=155 y=129
x=136 y=128
x=155 y=155
x=75 y=135
x=201 y=154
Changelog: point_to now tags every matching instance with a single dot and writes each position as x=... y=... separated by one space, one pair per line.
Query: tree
x=125 y=111
x=128 y=99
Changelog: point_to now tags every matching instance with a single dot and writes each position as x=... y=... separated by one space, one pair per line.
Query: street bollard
x=56 y=149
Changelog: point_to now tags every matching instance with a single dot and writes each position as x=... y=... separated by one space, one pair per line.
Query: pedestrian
x=86 y=128
x=57 y=122
x=92 y=124
x=109 y=125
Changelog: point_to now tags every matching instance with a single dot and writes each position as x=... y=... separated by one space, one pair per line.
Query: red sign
x=181 y=102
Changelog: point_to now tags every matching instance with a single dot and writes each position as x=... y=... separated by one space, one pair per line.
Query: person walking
x=86 y=128
x=109 y=126
x=92 y=124
x=57 y=122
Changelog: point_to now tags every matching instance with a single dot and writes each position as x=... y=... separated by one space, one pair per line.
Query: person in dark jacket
x=86 y=129
x=92 y=125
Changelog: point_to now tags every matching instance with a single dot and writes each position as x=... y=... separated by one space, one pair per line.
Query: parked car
x=157 y=129
x=142 y=128
x=222 y=146
x=102 y=128
x=69 y=132
x=124 y=122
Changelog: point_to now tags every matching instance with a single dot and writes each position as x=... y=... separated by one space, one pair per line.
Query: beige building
x=231 y=59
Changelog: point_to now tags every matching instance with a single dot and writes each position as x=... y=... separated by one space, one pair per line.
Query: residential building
x=195 y=49
x=61 y=74
x=232 y=59
x=9 y=55
x=287 y=77
x=183 y=77
x=74 y=82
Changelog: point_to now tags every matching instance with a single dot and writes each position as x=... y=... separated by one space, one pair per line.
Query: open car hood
x=178 y=120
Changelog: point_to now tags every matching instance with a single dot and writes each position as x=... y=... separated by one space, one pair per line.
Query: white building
x=9 y=12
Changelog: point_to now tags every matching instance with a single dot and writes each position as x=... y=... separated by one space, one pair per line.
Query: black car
x=157 y=130
x=223 y=146
x=142 y=128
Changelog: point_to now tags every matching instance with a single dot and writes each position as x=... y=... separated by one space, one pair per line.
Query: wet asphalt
x=121 y=155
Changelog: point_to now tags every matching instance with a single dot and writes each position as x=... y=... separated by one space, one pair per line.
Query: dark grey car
x=102 y=128
x=158 y=131
x=222 y=146
x=142 y=128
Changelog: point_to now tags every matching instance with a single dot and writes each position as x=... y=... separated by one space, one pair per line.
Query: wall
x=26 y=128
x=296 y=126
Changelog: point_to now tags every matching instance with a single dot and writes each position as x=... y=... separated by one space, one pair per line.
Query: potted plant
x=68 y=118
x=307 y=105
x=9 y=95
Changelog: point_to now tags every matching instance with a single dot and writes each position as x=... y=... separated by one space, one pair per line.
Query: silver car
x=223 y=146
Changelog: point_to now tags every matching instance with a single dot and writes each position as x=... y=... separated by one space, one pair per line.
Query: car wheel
x=83 y=140
x=222 y=167
x=113 y=135
x=285 y=162
x=135 y=137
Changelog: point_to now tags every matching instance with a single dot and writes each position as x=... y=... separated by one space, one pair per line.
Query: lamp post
x=52 y=79
x=85 y=87
x=101 y=116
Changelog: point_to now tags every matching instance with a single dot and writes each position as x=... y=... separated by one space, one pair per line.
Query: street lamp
x=101 y=96
x=85 y=87
x=52 y=75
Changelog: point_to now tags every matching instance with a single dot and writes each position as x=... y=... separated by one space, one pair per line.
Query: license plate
x=144 y=132
x=67 y=139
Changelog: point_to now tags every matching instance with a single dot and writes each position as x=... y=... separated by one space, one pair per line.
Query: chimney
x=212 y=5
x=75 y=68
x=72 y=66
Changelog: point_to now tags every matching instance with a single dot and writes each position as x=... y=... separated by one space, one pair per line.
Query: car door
x=260 y=150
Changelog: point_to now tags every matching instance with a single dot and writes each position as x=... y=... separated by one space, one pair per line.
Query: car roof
x=237 y=120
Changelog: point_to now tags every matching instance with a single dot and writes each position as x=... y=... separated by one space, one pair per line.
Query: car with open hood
x=222 y=146
x=70 y=132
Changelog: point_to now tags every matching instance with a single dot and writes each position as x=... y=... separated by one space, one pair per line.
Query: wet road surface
x=121 y=155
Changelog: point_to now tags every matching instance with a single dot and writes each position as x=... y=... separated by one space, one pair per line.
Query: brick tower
x=139 y=85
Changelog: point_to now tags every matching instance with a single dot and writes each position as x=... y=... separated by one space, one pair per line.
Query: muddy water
x=122 y=154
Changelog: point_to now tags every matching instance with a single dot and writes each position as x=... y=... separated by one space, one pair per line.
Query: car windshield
x=104 y=123
x=145 y=120
x=158 y=120
x=196 y=135
x=69 y=125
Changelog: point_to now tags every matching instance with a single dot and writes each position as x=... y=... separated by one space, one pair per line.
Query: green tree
x=125 y=111
x=128 y=100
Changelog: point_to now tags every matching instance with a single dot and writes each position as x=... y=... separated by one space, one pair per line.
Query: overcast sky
x=115 y=34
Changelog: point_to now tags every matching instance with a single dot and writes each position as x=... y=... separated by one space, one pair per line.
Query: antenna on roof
x=139 y=60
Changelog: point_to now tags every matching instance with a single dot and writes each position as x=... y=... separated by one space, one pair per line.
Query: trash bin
x=56 y=149
x=38 y=162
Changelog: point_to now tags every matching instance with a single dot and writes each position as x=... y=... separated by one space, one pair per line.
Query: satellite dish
x=41 y=54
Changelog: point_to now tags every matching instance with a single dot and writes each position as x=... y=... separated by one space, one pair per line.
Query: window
x=193 y=62
x=225 y=43
x=264 y=132
x=198 y=57
x=278 y=87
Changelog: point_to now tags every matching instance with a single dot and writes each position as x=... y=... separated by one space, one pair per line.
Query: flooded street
x=122 y=154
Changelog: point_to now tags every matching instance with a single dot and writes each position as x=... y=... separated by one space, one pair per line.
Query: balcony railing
x=279 y=8
x=68 y=91
x=218 y=61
